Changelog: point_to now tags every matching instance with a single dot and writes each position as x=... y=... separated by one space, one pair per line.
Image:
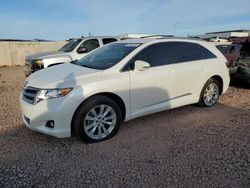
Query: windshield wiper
x=87 y=66
x=74 y=61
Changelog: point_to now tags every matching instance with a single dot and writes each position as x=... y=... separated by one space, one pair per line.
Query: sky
x=63 y=19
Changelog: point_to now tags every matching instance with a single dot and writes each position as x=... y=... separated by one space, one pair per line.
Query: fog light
x=50 y=124
x=27 y=120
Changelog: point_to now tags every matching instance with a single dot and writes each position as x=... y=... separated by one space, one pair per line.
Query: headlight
x=39 y=63
x=51 y=93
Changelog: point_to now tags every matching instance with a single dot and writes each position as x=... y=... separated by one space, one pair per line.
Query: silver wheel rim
x=211 y=94
x=99 y=121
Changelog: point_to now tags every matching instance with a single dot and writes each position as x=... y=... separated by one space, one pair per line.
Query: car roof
x=226 y=44
x=94 y=37
x=140 y=40
x=145 y=40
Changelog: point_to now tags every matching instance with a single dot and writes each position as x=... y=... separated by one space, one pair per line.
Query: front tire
x=97 y=119
x=210 y=93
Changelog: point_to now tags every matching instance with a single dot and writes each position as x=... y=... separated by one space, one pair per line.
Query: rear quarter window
x=223 y=48
x=187 y=51
x=108 y=40
x=206 y=53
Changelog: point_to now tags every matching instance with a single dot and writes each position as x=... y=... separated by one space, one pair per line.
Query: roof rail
x=161 y=36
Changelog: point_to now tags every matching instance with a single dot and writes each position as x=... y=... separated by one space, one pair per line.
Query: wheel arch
x=220 y=80
x=110 y=95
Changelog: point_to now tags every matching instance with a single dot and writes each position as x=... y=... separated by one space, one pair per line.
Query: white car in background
x=73 y=50
x=218 y=39
x=122 y=81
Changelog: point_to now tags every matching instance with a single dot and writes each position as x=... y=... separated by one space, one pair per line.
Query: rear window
x=108 y=40
x=185 y=51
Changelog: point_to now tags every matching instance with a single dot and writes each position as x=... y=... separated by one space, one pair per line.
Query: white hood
x=45 y=55
x=59 y=76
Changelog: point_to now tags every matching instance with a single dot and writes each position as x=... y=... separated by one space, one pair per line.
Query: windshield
x=222 y=48
x=107 y=56
x=70 y=45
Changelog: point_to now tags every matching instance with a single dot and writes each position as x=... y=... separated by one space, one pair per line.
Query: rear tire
x=97 y=119
x=210 y=93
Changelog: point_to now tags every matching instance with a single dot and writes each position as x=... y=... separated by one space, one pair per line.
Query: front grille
x=29 y=94
x=29 y=62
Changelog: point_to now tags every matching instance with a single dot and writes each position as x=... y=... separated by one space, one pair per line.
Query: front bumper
x=30 y=67
x=60 y=110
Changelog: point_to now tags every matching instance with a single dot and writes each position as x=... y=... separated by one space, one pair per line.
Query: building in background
x=225 y=34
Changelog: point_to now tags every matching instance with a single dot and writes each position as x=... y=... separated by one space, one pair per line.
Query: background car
x=243 y=71
x=73 y=50
x=218 y=39
x=232 y=54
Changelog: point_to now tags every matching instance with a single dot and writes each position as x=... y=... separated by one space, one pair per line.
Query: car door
x=193 y=60
x=152 y=89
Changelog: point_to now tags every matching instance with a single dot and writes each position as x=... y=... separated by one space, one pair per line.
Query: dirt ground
x=184 y=147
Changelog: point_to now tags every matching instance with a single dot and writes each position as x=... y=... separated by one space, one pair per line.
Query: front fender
x=118 y=84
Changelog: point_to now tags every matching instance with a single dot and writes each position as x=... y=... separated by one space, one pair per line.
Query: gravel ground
x=184 y=147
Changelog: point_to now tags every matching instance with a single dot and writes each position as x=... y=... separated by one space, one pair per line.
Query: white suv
x=122 y=81
x=218 y=39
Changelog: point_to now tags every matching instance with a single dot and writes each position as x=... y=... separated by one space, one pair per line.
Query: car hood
x=44 y=55
x=60 y=76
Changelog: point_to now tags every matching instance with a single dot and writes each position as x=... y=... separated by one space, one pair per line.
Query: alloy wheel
x=100 y=121
x=211 y=94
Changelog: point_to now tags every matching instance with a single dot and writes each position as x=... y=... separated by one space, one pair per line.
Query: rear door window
x=108 y=40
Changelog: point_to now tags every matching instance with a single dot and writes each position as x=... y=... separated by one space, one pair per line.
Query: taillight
x=228 y=64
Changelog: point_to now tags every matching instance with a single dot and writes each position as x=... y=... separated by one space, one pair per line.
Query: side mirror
x=82 y=50
x=141 y=65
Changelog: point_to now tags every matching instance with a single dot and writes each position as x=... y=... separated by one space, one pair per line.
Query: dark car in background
x=243 y=71
x=232 y=54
